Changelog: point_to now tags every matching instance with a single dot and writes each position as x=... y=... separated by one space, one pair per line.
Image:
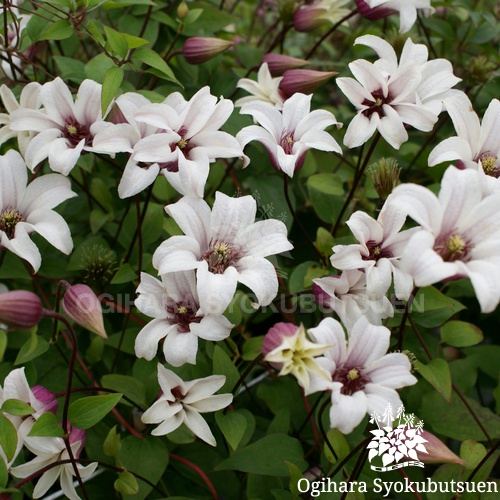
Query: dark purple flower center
x=453 y=247
x=489 y=162
x=177 y=394
x=352 y=378
x=9 y=218
x=185 y=145
x=75 y=132
x=183 y=314
x=287 y=142
x=375 y=107
x=376 y=251
x=220 y=255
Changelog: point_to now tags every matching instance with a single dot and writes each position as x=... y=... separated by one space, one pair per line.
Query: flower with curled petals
x=174 y=305
x=226 y=246
x=378 y=251
x=363 y=377
x=265 y=89
x=476 y=144
x=182 y=402
x=65 y=128
x=188 y=139
x=288 y=135
x=459 y=234
x=28 y=209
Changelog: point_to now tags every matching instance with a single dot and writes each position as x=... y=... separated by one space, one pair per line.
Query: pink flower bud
x=45 y=397
x=309 y=18
x=20 y=309
x=198 y=50
x=278 y=63
x=375 y=13
x=77 y=435
x=81 y=304
x=305 y=81
x=437 y=451
x=274 y=337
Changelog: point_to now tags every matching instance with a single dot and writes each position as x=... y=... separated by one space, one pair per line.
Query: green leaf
x=134 y=42
x=125 y=274
x=314 y=272
x=86 y=412
x=431 y=308
x=46 y=426
x=192 y=16
x=8 y=437
x=232 y=426
x=3 y=343
x=126 y=484
x=96 y=32
x=267 y=457
x=326 y=183
x=112 y=81
x=35 y=346
x=324 y=242
x=224 y=366
x=117 y=42
x=154 y=60
x=98 y=66
x=147 y=457
x=112 y=444
x=461 y=334
x=60 y=30
x=129 y=386
x=252 y=348
x=472 y=452
x=16 y=407
x=295 y=477
x=437 y=373
x=339 y=445
x=97 y=220
x=4 y=474
x=454 y=420
x=36 y=27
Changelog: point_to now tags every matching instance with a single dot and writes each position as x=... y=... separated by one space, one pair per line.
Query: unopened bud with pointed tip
x=373 y=13
x=385 y=176
x=182 y=10
x=305 y=81
x=308 y=18
x=278 y=63
x=81 y=304
x=20 y=309
x=198 y=50
x=437 y=451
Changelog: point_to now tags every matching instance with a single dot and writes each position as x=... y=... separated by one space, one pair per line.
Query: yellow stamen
x=353 y=374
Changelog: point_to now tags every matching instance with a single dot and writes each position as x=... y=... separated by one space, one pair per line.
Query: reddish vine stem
x=330 y=32
x=356 y=181
x=194 y=467
x=71 y=368
x=455 y=388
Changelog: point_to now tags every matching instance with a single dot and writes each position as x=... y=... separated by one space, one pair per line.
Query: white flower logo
x=394 y=444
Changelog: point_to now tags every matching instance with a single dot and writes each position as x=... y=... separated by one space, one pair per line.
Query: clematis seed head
x=385 y=176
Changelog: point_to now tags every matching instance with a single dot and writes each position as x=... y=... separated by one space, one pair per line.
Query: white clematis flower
x=65 y=128
x=476 y=145
x=288 y=135
x=182 y=402
x=190 y=140
x=226 y=246
x=381 y=244
x=29 y=99
x=389 y=95
x=121 y=136
x=27 y=209
x=174 y=304
x=459 y=236
x=346 y=295
x=49 y=450
x=364 y=378
x=265 y=89
x=407 y=10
